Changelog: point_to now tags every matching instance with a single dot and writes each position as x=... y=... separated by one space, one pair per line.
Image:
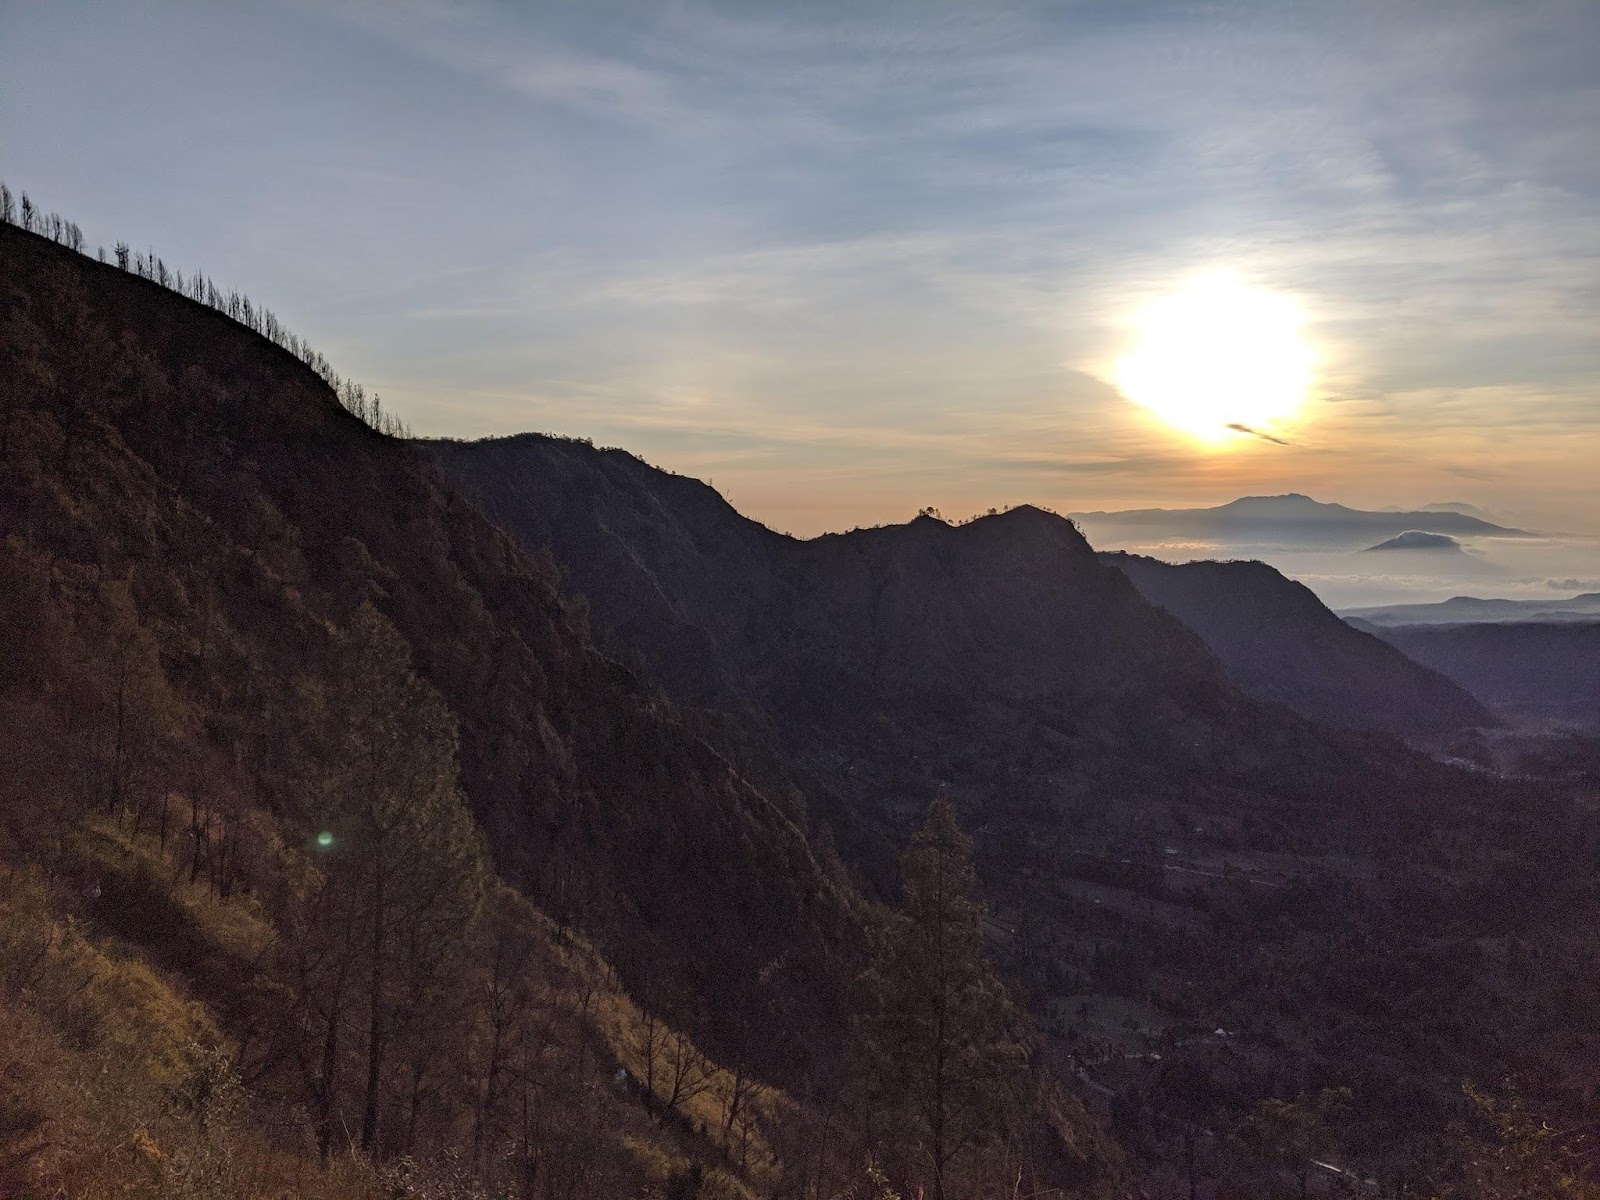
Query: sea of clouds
x=1530 y=568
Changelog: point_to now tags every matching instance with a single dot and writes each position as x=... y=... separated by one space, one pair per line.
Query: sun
x=1218 y=359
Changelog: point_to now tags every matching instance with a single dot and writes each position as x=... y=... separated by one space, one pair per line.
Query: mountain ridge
x=1475 y=609
x=1255 y=516
x=322 y=511
x=1105 y=760
x=1525 y=670
x=1282 y=644
x=1146 y=831
x=834 y=593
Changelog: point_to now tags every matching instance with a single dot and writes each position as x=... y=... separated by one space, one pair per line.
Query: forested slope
x=1168 y=855
x=1002 y=638
x=215 y=480
x=262 y=671
x=335 y=858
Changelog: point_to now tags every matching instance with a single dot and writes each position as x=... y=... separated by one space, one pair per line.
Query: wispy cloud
x=899 y=240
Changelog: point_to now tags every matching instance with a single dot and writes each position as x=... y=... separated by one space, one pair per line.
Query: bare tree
x=21 y=211
x=688 y=1072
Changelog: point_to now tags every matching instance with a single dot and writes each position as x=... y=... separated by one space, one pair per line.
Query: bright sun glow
x=1218 y=359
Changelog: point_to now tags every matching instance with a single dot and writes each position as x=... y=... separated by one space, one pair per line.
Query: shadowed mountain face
x=912 y=638
x=1526 y=669
x=1293 y=520
x=663 y=561
x=1280 y=643
x=253 y=515
x=1003 y=657
x=1103 y=754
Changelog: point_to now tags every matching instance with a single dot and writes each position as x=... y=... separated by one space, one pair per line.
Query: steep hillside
x=245 y=517
x=891 y=659
x=898 y=636
x=1280 y=643
x=662 y=560
x=292 y=735
x=1167 y=855
x=1523 y=669
x=886 y=662
x=999 y=626
x=271 y=664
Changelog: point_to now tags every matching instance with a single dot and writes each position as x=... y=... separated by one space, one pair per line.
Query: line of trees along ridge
x=19 y=209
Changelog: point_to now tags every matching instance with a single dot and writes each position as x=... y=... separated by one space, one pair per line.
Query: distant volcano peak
x=1417 y=539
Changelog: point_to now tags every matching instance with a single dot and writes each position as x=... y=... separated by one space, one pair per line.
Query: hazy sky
x=851 y=259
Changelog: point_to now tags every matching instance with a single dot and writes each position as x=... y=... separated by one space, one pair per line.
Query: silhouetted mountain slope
x=1006 y=626
x=906 y=654
x=1144 y=827
x=662 y=560
x=1280 y=643
x=154 y=439
x=921 y=639
x=1291 y=519
x=1522 y=669
x=902 y=624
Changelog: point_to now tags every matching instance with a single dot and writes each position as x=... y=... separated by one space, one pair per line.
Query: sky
x=847 y=261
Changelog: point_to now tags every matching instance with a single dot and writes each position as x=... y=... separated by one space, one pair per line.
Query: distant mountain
x=1543 y=669
x=1280 y=643
x=1294 y=519
x=1416 y=539
x=1459 y=610
x=1460 y=506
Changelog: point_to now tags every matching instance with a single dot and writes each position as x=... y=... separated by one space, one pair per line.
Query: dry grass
x=99 y=1060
